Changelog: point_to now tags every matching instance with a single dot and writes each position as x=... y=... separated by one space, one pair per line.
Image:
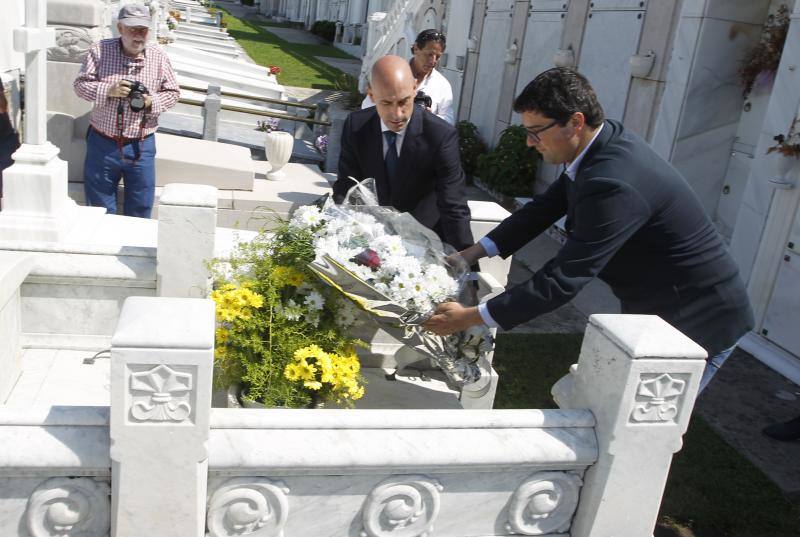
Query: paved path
x=350 y=66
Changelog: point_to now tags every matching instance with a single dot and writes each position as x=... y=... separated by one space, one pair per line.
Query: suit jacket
x=430 y=183
x=634 y=222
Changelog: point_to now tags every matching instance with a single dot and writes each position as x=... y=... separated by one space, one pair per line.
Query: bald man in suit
x=411 y=153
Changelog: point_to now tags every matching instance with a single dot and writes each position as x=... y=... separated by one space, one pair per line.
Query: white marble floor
x=62 y=377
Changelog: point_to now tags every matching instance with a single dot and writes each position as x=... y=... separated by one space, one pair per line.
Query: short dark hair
x=432 y=34
x=558 y=93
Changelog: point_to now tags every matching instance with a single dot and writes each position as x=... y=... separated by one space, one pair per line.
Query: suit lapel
x=409 y=149
x=373 y=149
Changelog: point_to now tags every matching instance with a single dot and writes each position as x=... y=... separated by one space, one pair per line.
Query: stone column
x=211 y=108
x=639 y=376
x=161 y=366
x=187 y=219
x=35 y=201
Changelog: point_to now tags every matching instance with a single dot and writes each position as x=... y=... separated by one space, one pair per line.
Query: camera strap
x=137 y=151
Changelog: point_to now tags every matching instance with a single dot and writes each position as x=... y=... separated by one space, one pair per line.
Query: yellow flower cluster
x=283 y=276
x=236 y=302
x=315 y=367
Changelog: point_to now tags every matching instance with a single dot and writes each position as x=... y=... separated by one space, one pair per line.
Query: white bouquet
x=397 y=270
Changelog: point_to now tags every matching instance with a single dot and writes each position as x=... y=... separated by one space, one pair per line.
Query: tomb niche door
x=494 y=43
x=611 y=37
x=545 y=25
x=783 y=312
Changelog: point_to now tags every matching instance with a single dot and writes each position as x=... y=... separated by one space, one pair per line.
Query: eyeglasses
x=533 y=134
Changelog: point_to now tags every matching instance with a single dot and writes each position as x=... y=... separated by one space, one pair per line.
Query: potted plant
x=761 y=62
x=787 y=146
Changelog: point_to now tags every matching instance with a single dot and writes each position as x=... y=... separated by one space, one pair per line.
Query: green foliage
x=325 y=29
x=510 y=168
x=263 y=316
x=470 y=146
x=349 y=86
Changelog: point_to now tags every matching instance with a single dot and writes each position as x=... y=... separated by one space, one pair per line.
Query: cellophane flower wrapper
x=397 y=270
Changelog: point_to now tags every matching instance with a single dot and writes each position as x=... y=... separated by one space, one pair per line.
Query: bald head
x=392 y=70
x=392 y=88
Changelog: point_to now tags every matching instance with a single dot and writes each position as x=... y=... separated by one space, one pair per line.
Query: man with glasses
x=427 y=50
x=121 y=138
x=631 y=220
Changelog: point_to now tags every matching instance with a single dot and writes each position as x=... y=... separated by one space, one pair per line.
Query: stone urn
x=278 y=146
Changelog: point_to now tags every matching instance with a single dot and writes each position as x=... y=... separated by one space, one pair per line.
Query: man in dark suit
x=412 y=155
x=631 y=220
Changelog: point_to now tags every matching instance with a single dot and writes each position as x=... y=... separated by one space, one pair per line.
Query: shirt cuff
x=483 y=310
x=102 y=93
x=490 y=247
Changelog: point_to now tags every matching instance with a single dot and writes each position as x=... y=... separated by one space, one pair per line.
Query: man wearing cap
x=120 y=143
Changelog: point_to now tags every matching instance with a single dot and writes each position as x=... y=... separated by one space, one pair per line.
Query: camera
x=136 y=96
x=423 y=99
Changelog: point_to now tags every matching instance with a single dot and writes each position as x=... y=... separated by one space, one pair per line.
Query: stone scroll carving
x=254 y=506
x=658 y=398
x=402 y=506
x=161 y=394
x=72 y=43
x=69 y=507
x=544 y=503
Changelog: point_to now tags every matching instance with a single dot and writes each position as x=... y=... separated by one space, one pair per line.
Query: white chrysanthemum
x=347 y=313
x=314 y=301
x=389 y=246
x=307 y=216
x=290 y=311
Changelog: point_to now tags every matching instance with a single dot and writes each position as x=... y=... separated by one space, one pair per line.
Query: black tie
x=391 y=159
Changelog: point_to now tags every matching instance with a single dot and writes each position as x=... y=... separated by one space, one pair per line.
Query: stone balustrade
x=383 y=32
x=574 y=471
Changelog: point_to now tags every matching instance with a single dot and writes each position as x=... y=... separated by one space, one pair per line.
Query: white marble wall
x=697 y=136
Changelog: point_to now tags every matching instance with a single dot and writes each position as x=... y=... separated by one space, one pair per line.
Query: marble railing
x=374 y=473
x=384 y=30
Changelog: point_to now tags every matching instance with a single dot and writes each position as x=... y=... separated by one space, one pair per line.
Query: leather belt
x=116 y=139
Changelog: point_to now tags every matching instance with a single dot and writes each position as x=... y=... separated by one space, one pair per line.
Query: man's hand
x=451 y=317
x=120 y=89
x=148 y=102
x=473 y=253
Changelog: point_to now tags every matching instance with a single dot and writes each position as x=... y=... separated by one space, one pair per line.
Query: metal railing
x=253 y=97
x=212 y=105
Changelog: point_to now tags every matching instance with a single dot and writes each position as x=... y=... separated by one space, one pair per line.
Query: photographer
x=433 y=89
x=129 y=82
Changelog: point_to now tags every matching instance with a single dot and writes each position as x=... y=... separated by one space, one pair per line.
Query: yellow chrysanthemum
x=312 y=384
x=283 y=276
x=292 y=372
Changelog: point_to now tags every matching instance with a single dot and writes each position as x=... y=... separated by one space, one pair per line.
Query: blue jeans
x=104 y=167
x=712 y=366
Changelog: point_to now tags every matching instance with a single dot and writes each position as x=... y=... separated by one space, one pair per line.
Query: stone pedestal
x=187 y=219
x=639 y=376
x=161 y=368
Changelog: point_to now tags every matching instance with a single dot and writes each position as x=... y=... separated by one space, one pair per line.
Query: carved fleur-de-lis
x=162 y=386
x=660 y=398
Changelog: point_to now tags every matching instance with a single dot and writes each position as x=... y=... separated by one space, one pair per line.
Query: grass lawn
x=712 y=491
x=299 y=66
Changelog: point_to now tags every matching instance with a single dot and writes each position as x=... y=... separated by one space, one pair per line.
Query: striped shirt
x=104 y=65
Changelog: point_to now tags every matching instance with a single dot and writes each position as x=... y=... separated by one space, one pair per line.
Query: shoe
x=786 y=431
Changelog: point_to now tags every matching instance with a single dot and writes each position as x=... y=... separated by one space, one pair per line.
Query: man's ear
x=578 y=120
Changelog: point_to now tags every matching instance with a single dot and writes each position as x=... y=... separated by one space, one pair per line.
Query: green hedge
x=510 y=168
x=470 y=146
x=324 y=29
